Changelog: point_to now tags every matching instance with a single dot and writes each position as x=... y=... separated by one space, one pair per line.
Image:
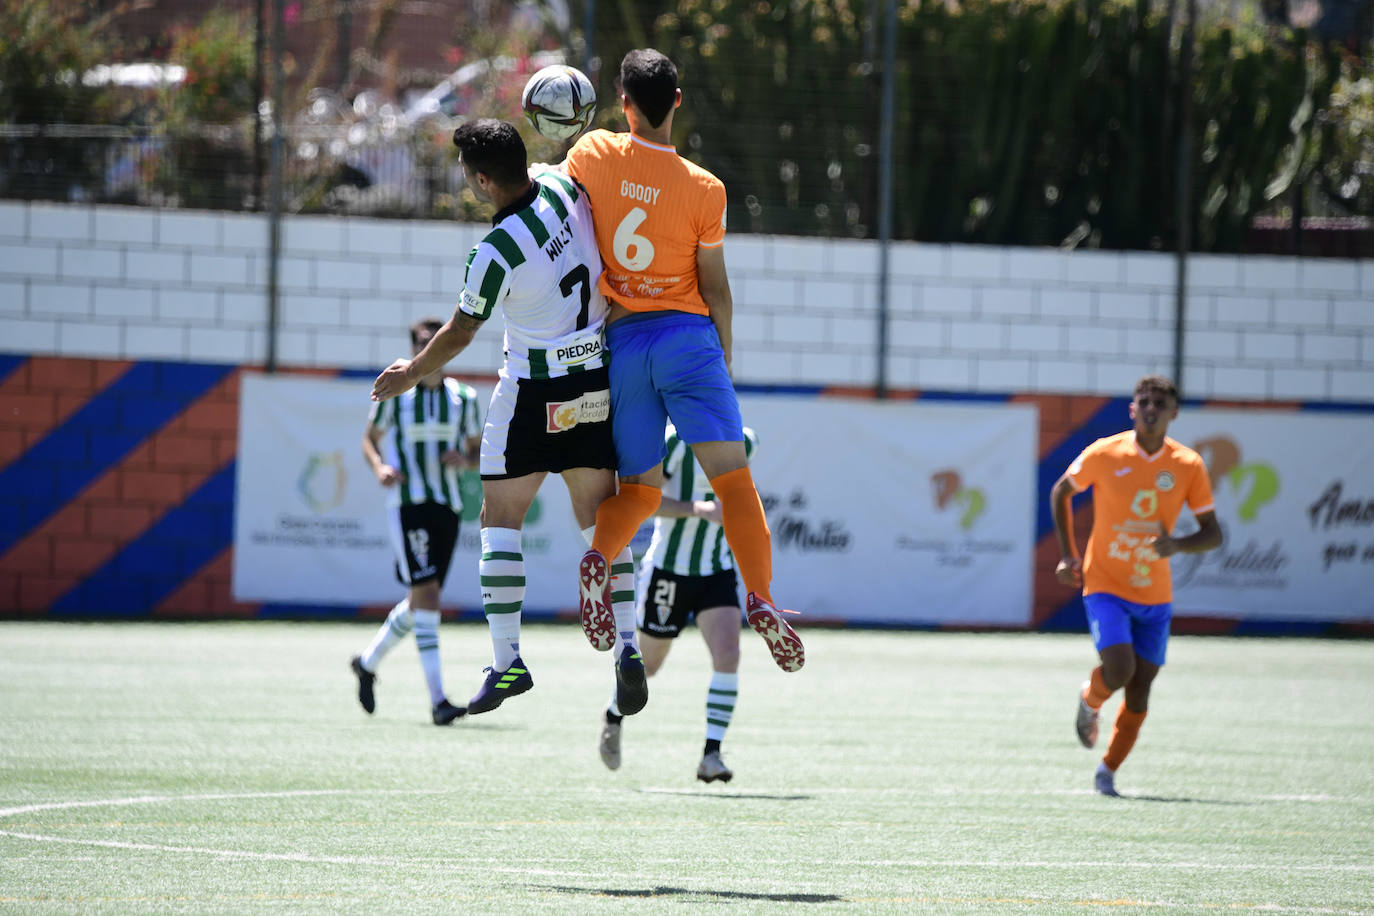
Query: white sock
x=720 y=704
x=397 y=626
x=611 y=707
x=427 y=641
x=502 y=570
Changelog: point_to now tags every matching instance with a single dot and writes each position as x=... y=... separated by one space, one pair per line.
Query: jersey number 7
x=578 y=276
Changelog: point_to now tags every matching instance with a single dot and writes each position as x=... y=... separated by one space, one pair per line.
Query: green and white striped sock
x=720 y=704
x=502 y=570
x=623 y=599
x=398 y=625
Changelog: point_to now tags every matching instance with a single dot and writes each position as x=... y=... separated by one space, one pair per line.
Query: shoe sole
x=631 y=690
x=460 y=713
x=719 y=777
x=594 y=601
x=366 y=698
x=782 y=640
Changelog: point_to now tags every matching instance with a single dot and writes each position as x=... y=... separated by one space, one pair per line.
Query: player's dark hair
x=650 y=80
x=1160 y=383
x=432 y=325
x=495 y=149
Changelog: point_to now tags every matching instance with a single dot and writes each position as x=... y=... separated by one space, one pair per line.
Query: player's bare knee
x=425 y=595
x=718 y=458
x=1118 y=666
x=725 y=659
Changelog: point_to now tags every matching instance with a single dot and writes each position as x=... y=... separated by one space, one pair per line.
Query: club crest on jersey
x=1164 y=481
x=593 y=407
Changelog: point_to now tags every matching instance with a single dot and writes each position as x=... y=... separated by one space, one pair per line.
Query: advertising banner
x=1295 y=498
x=902 y=512
x=898 y=512
x=310 y=519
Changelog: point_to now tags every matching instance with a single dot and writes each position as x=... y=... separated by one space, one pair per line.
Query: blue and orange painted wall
x=117 y=493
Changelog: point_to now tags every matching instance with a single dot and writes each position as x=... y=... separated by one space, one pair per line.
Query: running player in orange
x=660 y=225
x=1140 y=481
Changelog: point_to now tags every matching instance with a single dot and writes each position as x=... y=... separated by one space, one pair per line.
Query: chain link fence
x=1015 y=123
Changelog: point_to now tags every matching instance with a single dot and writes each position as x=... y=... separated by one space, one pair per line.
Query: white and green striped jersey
x=541 y=265
x=690 y=546
x=420 y=425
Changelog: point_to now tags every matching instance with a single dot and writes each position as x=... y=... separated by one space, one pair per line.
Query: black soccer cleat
x=445 y=713
x=366 y=699
x=631 y=683
x=500 y=686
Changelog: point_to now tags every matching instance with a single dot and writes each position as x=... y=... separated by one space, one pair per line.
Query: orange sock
x=1097 y=691
x=1124 y=733
x=619 y=517
x=746 y=530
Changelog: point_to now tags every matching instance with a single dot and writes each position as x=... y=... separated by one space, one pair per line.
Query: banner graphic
x=898 y=512
x=1295 y=498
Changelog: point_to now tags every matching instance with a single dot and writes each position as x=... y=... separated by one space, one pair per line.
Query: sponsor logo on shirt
x=1145 y=504
x=474 y=303
x=578 y=351
x=592 y=407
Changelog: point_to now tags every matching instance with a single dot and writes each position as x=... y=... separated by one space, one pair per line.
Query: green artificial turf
x=226 y=767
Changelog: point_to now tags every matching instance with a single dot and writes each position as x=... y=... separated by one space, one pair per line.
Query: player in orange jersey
x=1140 y=480
x=660 y=225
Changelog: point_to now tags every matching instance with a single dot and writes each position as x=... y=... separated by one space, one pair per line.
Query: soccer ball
x=559 y=101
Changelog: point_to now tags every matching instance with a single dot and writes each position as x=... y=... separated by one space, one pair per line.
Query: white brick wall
x=138 y=283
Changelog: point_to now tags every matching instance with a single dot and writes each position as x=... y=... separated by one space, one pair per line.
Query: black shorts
x=548 y=425
x=671 y=601
x=423 y=536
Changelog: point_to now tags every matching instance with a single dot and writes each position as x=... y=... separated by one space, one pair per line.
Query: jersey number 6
x=625 y=239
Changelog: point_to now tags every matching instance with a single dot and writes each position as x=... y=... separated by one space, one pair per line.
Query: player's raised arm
x=404 y=374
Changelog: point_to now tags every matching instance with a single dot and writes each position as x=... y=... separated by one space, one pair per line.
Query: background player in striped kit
x=688 y=572
x=550 y=412
x=415 y=445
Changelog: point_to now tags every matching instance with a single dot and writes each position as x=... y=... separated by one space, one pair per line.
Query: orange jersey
x=652 y=210
x=1133 y=495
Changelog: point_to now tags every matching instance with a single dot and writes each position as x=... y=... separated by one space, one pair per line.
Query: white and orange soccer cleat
x=594 y=600
x=782 y=640
x=1085 y=723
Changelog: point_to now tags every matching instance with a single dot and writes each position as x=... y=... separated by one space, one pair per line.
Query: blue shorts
x=1115 y=620
x=668 y=365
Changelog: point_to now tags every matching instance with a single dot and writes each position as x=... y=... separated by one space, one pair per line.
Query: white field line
x=489 y=866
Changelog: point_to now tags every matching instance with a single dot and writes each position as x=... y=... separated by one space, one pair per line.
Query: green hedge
x=1018 y=121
